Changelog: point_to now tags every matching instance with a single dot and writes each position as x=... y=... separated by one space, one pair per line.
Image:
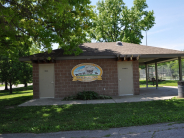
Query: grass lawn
x=2 y=85
x=160 y=83
x=38 y=119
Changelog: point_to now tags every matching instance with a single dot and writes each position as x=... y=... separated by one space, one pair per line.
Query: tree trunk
x=25 y=84
x=6 y=85
x=10 y=88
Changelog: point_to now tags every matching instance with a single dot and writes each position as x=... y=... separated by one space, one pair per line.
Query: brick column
x=136 y=77
x=35 y=81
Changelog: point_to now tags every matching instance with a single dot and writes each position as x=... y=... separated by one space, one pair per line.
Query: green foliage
x=34 y=49
x=160 y=83
x=104 y=97
x=25 y=72
x=18 y=96
x=45 y=22
x=115 y=22
x=87 y=95
x=12 y=70
x=70 y=98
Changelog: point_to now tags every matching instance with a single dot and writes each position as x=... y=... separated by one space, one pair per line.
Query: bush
x=70 y=98
x=87 y=95
x=104 y=97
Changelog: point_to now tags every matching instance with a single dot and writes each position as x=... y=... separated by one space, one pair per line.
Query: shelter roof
x=111 y=50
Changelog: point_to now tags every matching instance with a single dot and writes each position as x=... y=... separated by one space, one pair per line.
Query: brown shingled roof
x=128 y=48
x=112 y=50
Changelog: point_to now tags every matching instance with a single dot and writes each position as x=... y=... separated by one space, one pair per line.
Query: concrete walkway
x=146 y=94
x=165 y=130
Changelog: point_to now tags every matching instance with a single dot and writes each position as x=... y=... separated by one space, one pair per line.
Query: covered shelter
x=110 y=68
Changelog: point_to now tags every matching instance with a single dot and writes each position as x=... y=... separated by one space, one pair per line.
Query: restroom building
x=110 y=68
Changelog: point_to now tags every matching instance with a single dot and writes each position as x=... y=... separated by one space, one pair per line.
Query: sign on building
x=87 y=72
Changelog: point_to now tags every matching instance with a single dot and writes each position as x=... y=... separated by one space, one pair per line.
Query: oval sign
x=87 y=72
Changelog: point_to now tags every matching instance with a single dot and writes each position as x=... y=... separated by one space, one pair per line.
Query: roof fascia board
x=85 y=57
x=162 y=55
x=159 y=60
x=105 y=57
x=24 y=59
x=73 y=57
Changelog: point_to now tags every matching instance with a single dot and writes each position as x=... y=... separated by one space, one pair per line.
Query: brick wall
x=35 y=81
x=64 y=86
x=136 y=77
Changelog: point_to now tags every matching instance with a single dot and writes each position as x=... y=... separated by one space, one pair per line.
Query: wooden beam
x=131 y=57
x=34 y=61
x=118 y=58
x=146 y=69
x=53 y=60
x=156 y=74
x=157 y=60
x=148 y=72
x=180 y=68
x=125 y=57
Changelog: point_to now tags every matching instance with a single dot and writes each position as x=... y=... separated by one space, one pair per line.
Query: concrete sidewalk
x=146 y=94
x=165 y=130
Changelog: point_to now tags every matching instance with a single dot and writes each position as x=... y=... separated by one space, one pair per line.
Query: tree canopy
x=44 y=22
x=116 y=22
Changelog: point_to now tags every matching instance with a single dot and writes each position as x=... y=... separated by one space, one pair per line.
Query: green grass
x=2 y=85
x=18 y=96
x=160 y=83
x=39 y=119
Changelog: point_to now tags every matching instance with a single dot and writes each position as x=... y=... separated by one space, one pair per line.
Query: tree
x=10 y=71
x=45 y=22
x=13 y=71
x=25 y=73
x=26 y=68
x=115 y=22
x=3 y=69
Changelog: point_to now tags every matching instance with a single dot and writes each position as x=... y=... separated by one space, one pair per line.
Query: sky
x=168 y=32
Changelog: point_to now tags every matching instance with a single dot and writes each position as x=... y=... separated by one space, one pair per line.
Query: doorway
x=46 y=80
x=125 y=78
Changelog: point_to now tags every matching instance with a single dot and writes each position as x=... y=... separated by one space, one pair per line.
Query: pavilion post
x=156 y=75
x=146 y=75
x=180 y=68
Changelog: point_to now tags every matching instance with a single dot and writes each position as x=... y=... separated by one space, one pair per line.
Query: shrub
x=69 y=98
x=87 y=95
x=104 y=97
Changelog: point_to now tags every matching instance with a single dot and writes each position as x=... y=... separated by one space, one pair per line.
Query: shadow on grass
x=41 y=119
x=14 y=101
x=18 y=96
x=21 y=90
